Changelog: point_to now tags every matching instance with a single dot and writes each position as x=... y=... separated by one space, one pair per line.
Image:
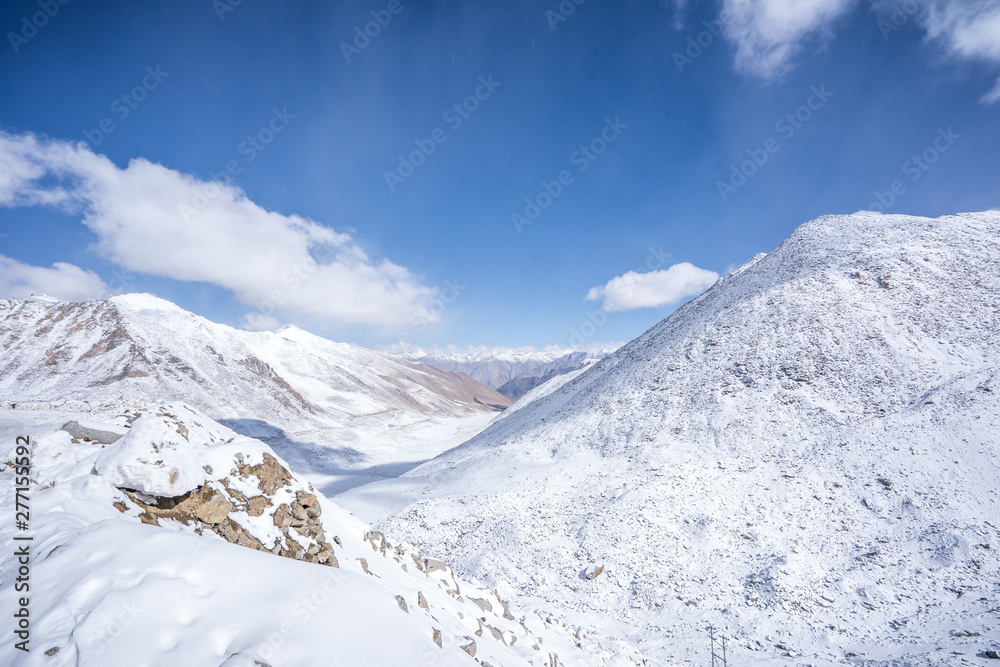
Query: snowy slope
x=107 y=590
x=344 y=407
x=806 y=456
x=546 y=388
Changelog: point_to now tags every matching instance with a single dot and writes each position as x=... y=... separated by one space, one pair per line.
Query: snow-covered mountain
x=329 y=407
x=182 y=543
x=807 y=457
x=512 y=372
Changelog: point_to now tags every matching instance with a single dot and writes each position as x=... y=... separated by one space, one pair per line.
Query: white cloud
x=65 y=281
x=768 y=34
x=656 y=288
x=969 y=30
x=154 y=220
x=260 y=322
x=993 y=96
x=680 y=10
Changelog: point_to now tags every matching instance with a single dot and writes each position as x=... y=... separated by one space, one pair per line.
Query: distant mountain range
x=512 y=373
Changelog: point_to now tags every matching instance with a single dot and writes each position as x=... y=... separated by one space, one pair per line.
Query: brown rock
x=214 y=510
x=432 y=565
x=272 y=475
x=257 y=505
x=497 y=634
x=481 y=603
x=283 y=517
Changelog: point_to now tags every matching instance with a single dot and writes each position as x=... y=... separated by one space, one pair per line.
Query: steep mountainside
x=347 y=407
x=806 y=457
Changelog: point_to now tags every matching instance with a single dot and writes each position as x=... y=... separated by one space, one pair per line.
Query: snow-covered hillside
x=512 y=372
x=805 y=457
x=153 y=551
x=331 y=408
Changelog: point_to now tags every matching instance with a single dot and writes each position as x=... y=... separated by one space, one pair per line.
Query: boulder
x=155 y=457
x=481 y=603
x=84 y=433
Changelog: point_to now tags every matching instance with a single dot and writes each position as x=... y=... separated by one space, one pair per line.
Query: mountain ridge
x=335 y=407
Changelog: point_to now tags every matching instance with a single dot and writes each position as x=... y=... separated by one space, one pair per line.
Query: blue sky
x=310 y=128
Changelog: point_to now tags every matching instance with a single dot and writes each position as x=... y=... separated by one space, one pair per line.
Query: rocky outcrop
x=235 y=490
x=225 y=507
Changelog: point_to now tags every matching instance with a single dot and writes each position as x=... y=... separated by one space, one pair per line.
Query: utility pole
x=717 y=660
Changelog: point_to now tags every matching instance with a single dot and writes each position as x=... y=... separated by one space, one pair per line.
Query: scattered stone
x=432 y=565
x=402 y=603
x=55 y=649
x=481 y=603
x=421 y=600
x=470 y=648
x=437 y=638
x=993 y=655
x=92 y=434
x=497 y=634
x=593 y=571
